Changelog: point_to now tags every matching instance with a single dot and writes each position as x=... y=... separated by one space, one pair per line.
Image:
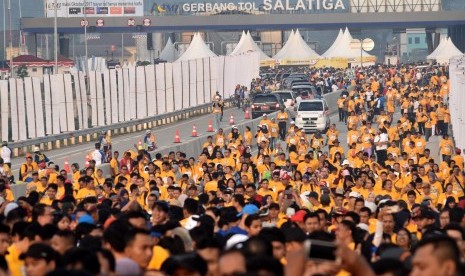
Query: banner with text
x=94 y=8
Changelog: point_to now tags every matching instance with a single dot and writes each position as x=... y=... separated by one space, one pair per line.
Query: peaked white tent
x=247 y=44
x=240 y=44
x=169 y=53
x=343 y=49
x=286 y=45
x=297 y=52
x=197 y=49
x=335 y=43
x=444 y=52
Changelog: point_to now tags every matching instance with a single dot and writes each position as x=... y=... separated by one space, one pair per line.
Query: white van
x=312 y=115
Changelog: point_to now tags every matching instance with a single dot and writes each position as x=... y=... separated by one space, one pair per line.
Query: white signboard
x=94 y=8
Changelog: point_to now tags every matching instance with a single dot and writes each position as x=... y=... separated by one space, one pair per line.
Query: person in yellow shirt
x=27 y=168
x=114 y=164
x=50 y=194
x=220 y=139
x=336 y=148
x=282 y=117
x=446 y=145
x=352 y=121
x=274 y=133
x=352 y=136
x=87 y=191
x=387 y=189
x=316 y=143
x=265 y=190
x=331 y=135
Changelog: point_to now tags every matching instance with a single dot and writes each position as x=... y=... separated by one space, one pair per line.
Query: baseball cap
x=9 y=207
x=354 y=194
x=298 y=216
x=249 y=209
x=40 y=251
x=345 y=162
x=86 y=219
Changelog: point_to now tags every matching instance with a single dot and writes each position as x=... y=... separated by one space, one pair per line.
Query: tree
x=142 y=63
x=22 y=72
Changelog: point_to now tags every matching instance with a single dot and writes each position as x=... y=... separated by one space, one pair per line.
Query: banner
x=94 y=8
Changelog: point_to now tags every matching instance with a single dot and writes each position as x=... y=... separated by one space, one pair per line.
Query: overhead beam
x=256 y=22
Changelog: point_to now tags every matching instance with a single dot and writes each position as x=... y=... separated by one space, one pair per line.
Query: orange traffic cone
x=210 y=126
x=177 y=139
x=66 y=167
x=231 y=119
x=87 y=161
x=194 y=131
x=247 y=114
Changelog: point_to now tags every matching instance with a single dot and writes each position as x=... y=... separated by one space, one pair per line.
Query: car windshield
x=311 y=106
x=285 y=96
x=265 y=99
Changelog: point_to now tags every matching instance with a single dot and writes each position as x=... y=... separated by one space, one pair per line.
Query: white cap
x=290 y=212
x=362 y=226
x=9 y=207
x=235 y=239
x=345 y=162
x=36 y=148
x=292 y=122
x=234 y=126
x=371 y=205
x=354 y=194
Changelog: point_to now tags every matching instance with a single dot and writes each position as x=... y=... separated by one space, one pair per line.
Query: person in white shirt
x=97 y=155
x=6 y=153
x=381 y=142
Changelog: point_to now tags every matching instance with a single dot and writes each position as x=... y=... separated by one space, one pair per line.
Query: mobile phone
x=320 y=250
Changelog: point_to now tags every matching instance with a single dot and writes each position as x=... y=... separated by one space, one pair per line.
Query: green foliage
x=22 y=72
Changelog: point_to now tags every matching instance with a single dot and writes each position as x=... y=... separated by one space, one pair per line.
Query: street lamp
x=55 y=38
x=366 y=44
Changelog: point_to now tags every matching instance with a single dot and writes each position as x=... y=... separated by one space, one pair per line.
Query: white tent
x=297 y=52
x=343 y=49
x=444 y=52
x=169 y=53
x=197 y=49
x=240 y=44
x=335 y=43
x=247 y=44
x=284 y=48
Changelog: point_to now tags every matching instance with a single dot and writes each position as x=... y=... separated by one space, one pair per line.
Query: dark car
x=265 y=104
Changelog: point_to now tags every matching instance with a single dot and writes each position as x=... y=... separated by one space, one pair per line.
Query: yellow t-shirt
x=15 y=265
x=159 y=256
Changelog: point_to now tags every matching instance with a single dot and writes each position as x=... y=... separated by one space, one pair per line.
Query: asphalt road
x=165 y=137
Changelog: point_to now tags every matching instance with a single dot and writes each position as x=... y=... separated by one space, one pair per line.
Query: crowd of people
x=271 y=201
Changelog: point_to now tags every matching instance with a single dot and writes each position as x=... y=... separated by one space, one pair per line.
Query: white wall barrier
x=457 y=99
x=34 y=107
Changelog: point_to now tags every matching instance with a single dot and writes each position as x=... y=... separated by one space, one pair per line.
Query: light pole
x=4 y=30
x=55 y=38
x=11 y=39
